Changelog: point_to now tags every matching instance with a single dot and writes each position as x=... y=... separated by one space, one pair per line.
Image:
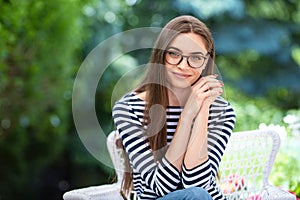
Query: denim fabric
x=193 y=193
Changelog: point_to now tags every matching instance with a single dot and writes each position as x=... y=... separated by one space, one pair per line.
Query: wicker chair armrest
x=102 y=192
x=275 y=193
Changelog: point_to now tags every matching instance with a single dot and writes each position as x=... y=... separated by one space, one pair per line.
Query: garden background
x=43 y=43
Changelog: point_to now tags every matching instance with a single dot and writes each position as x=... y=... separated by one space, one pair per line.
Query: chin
x=180 y=85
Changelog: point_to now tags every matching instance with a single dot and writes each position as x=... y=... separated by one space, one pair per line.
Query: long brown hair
x=155 y=84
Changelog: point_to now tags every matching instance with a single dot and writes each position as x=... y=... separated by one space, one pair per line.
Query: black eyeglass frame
x=187 y=58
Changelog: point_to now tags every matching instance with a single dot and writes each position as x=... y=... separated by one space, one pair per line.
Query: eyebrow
x=197 y=52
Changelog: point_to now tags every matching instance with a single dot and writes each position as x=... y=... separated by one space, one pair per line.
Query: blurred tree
x=39 y=46
x=260 y=51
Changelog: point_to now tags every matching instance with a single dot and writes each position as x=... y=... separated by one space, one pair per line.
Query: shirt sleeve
x=161 y=176
x=220 y=125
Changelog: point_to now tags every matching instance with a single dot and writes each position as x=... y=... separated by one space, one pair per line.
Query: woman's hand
x=203 y=93
x=214 y=91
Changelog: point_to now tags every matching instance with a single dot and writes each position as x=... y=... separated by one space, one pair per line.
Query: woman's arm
x=191 y=131
x=162 y=177
x=203 y=95
x=221 y=122
x=197 y=151
x=177 y=149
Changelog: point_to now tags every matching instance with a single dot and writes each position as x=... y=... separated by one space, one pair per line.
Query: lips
x=181 y=76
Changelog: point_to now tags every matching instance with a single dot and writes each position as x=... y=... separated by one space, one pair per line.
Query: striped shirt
x=152 y=179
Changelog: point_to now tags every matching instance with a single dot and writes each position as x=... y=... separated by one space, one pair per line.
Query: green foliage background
x=42 y=44
x=39 y=51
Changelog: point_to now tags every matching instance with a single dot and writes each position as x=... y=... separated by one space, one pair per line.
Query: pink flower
x=227 y=188
x=233 y=183
x=255 y=197
x=293 y=193
x=235 y=179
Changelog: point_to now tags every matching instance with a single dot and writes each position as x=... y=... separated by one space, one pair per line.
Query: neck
x=178 y=96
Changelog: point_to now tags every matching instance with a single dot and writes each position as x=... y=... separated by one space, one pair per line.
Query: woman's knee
x=193 y=193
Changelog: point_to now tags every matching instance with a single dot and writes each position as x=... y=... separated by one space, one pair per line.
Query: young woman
x=175 y=126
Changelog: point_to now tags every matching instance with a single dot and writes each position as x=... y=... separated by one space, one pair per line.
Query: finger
x=203 y=82
x=215 y=92
x=207 y=84
x=207 y=80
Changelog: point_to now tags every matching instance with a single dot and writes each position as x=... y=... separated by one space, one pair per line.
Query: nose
x=183 y=63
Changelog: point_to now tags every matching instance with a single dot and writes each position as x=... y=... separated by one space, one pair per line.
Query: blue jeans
x=192 y=193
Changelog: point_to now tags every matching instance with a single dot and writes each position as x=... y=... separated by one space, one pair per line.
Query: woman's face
x=182 y=75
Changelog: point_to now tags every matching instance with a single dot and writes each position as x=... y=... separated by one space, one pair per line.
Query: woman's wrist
x=187 y=116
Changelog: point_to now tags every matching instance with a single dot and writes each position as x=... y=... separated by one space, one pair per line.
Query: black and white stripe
x=153 y=179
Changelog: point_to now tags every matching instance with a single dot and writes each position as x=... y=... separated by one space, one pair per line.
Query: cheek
x=168 y=69
x=197 y=74
x=198 y=71
x=167 y=72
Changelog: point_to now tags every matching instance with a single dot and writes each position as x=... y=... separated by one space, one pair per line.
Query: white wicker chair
x=244 y=170
x=247 y=164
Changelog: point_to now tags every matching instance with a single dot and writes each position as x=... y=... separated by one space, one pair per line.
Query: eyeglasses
x=173 y=57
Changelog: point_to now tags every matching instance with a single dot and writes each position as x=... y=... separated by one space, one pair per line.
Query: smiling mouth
x=182 y=76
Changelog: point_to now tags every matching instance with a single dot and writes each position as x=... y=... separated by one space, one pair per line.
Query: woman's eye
x=173 y=54
x=196 y=58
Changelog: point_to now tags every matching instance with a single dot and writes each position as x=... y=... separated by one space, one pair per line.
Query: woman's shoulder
x=131 y=98
x=129 y=108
